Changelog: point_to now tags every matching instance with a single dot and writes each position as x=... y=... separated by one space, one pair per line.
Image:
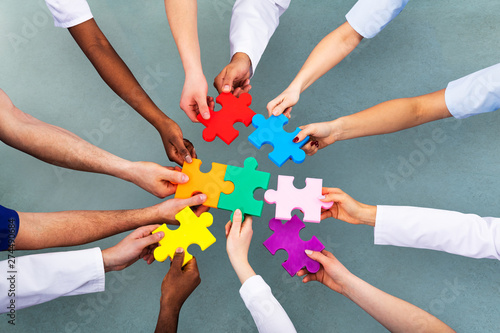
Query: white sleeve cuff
x=369 y=17
x=68 y=13
x=473 y=94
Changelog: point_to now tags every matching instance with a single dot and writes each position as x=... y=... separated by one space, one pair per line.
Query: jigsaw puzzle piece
x=192 y=230
x=287 y=198
x=271 y=131
x=286 y=237
x=221 y=123
x=246 y=180
x=211 y=183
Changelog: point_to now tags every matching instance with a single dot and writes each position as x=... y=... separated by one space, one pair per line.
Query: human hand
x=194 y=97
x=167 y=210
x=138 y=244
x=347 y=209
x=235 y=77
x=156 y=179
x=284 y=102
x=331 y=272
x=239 y=235
x=320 y=136
x=177 y=148
x=179 y=282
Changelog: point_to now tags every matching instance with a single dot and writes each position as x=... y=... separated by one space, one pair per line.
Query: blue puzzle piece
x=271 y=131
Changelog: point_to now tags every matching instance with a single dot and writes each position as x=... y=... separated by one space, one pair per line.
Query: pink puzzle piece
x=287 y=198
x=286 y=237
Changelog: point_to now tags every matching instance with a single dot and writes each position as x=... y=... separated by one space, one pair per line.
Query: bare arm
x=120 y=79
x=60 y=147
x=326 y=55
x=45 y=230
x=386 y=117
x=393 y=313
x=182 y=18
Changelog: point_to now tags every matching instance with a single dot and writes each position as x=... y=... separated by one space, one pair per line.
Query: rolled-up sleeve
x=467 y=235
x=369 y=17
x=68 y=13
x=43 y=277
x=473 y=94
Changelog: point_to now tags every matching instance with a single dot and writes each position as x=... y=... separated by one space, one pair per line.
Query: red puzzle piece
x=221 y=123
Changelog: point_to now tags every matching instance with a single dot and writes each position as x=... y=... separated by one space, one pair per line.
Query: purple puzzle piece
x=286 y=237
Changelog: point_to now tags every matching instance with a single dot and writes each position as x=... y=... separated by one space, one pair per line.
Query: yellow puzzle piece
x=193 y=230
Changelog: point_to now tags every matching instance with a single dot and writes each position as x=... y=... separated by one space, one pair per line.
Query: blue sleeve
x=9 y=226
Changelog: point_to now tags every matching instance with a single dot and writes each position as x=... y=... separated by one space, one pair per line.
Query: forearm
x=115 y=72
x=182 y=18
x=326 y=55
x=242 y=269
x=58 y=146
x=393 y=313
x=391 y=116
x=46 y=230
x=168 y=319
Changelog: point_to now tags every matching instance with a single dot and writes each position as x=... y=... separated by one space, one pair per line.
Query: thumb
x=178 y=259
x=317 y=256
x=306 y=131
x=173 y=176
x=182 y=151
x=196 y=200
x=227 y=82
x=150 y=240
x=203 y=107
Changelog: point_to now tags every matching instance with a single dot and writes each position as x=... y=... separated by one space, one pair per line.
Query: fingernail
x=203 y=197
x=237 y=212
x=180 y=250
x=206 y=116
x=296 y=139
x=322 y=197
x=188 y=159
x=160 y=234
x=312 y=143
x=308 y=252
x=226 y=88
x=185 y=178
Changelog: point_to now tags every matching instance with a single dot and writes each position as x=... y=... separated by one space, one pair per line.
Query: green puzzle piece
x=246 y=180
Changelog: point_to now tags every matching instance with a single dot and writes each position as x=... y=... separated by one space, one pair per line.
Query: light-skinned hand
x=235 y=77
x=138 y=244
x=156 y=179
x=346 y=208
x=331 y=272
x=195 y=99
x=320 y=135
x=284 y=102
x=169 y=208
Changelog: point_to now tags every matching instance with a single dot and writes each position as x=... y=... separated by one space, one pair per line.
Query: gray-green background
x=429 y=44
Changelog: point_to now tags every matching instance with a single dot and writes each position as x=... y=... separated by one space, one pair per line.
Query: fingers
x=218 y=80
x=236 y=227
x=228 y=81
x=181 y=150
x=306 y=131
x=276 y=106
x=175 y=177
x=178 y=259
x=190 y=147
x=196 y=200
x=247 y=224
x=317 y=256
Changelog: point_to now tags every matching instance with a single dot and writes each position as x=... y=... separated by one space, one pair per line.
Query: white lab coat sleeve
x=253 y=23
x=369 y=17
x=41 y=278
x=68 y=13
x=267 y=312
x=467 y=235
x=473 y=94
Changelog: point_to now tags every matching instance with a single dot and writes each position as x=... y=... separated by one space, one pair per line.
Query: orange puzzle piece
x=211 y=183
